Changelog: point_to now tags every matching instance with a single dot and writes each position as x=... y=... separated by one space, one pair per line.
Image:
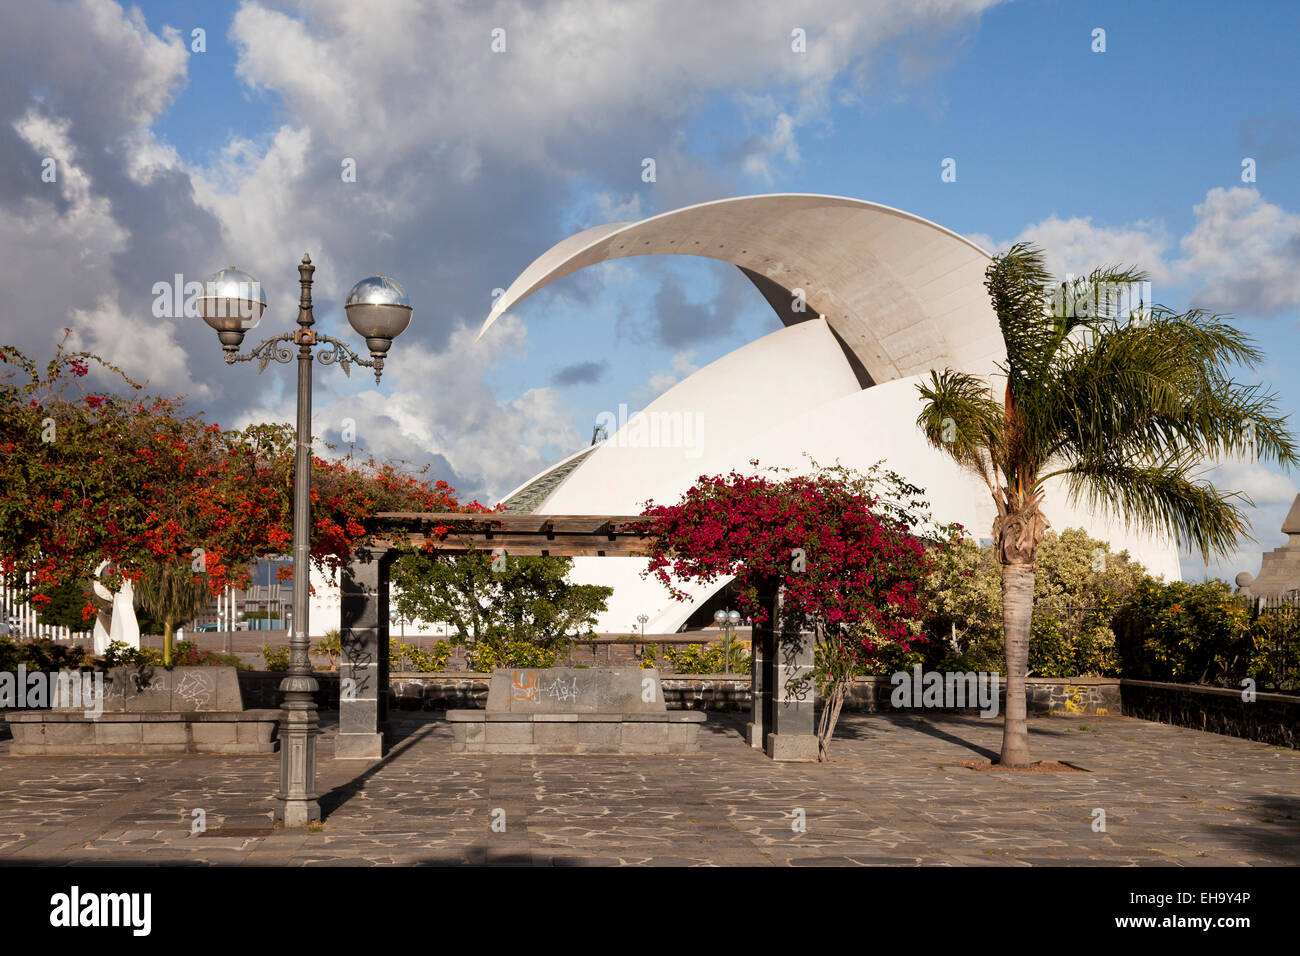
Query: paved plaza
x=894 y=794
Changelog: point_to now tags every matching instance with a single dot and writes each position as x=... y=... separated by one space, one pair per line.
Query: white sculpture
x=116 y=618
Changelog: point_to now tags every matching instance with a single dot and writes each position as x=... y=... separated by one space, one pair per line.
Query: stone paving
x=893 y=794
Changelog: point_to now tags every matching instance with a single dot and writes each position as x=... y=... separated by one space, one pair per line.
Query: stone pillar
x=760 y=700
x=792 y=733
x=363 y=665
x=763 y=655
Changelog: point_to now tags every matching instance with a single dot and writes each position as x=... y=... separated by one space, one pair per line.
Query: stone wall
x=1080 y=697
x=1269 y=718
x=1045 y=697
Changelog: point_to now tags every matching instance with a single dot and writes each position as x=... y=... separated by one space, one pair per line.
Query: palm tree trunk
x=1017 y=612
x=167 y=642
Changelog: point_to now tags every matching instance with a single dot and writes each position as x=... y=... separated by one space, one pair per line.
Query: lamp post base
x=297 y=802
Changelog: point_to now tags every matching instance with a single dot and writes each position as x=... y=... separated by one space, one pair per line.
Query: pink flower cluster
x=838 y=559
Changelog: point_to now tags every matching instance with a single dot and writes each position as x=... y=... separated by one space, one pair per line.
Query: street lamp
x=641 y=619
x=378 y=309
x=727 y=620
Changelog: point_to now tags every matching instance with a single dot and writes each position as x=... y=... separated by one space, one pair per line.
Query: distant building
x=262 y=606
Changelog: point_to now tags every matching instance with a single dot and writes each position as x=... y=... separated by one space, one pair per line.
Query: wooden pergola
x=782 y=721
x=516 y=534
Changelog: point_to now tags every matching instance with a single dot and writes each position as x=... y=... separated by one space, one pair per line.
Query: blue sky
x=470 y=165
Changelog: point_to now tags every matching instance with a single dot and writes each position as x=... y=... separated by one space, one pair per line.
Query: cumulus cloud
x=1247 y=249
x=1078 y=246
x=680 y=321
x=1241 y=255
x=147 y=352
x=468 y=164
x=441 y=408
x=1261 y=484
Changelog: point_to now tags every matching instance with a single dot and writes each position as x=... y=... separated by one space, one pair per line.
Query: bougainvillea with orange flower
x=111 y=473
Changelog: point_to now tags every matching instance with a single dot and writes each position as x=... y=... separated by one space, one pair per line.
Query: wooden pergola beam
x=517 y=534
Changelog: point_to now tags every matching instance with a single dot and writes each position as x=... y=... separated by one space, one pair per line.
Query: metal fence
x=614 y=650
x=21 y=620
x=1276 y=625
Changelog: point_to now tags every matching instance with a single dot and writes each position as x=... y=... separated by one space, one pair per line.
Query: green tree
x=1078 y=585
x=1122 y=408
x=66 y=605
x=512 y=611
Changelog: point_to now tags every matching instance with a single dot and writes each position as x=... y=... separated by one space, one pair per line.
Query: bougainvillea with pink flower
x=849 y=565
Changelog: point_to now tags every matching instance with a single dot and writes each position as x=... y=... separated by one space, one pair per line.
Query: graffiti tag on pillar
x=796 y=688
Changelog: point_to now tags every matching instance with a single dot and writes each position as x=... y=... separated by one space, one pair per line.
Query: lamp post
x=378 y=309
x=727 y=620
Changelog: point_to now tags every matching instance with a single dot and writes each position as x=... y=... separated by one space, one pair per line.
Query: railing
x=588 y=650
x=629 y=650
x=21 y=619
x=1277 y=638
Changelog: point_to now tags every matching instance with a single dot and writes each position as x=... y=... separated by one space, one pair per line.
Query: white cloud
x=441 y=406
x=1077 y=246
x=1247 y=250
x=683 y=364
x=147 y=352
x=467 y=164
x=1264 y=486
x=1242 y=254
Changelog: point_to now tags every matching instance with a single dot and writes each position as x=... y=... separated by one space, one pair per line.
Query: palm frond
x=1160 y=386
x=1018 y=282
x=961 y=418
x=1161 y=498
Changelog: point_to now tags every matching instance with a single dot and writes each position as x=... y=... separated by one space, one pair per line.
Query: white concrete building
x=872 y=299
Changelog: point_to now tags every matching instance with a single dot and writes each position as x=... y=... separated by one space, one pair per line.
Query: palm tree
x=1125 y=409
x=173 y=594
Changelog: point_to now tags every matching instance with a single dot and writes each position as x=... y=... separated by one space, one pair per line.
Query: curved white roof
x=899 y=296
x=735 y=410
x=902 y=294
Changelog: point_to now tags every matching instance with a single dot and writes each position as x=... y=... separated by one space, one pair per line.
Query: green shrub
x=1069 y=642
x=277 y=658
x=1275 y=656
x=489 y=653
x=44 y=654
x=700 y=658
x=410 y=657
x=41 y=655
x=122 y=654
x=1189 y=633
x=1078 y=585
x=184 y=654
x=189 y=654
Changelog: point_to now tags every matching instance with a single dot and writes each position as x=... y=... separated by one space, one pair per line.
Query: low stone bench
x=476 y=731
x=571 y=710
x=213 y=732
x=151 y=710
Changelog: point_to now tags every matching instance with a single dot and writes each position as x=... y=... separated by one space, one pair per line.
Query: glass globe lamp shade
x=733 y=617
x=379 y=311
x=232 y=303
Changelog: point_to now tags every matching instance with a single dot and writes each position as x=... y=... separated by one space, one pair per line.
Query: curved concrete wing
x=901 y=294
